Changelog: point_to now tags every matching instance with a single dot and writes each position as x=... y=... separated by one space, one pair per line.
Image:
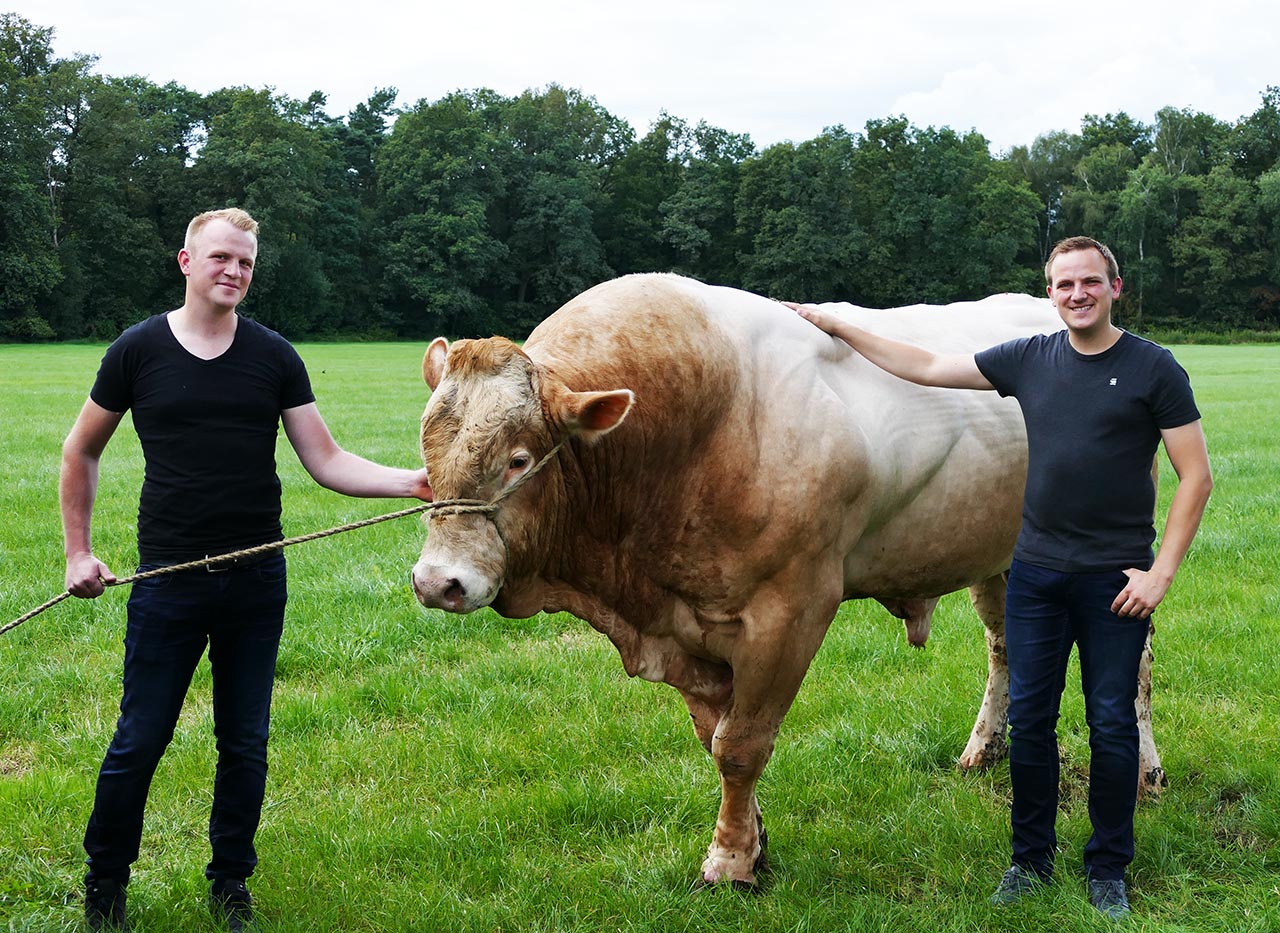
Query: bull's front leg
x=737 y=849
x=734 y=849
x=770 y=659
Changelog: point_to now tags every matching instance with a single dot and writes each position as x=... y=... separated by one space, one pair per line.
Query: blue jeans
x=238 y=614
x=1046 y=611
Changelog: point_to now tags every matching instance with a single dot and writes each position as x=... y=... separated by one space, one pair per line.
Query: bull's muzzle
x=449 y=589
x=462 y=564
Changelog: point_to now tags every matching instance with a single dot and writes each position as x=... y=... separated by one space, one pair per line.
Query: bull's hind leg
x=1151 y=777
x=987 y=743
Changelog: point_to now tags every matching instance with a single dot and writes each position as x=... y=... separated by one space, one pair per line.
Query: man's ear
x=594 y=414
x=433 y=362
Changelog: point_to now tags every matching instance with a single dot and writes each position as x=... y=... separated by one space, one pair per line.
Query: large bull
x=730 y=475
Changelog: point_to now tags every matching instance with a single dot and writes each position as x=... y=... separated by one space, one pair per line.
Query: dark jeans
x=239 y=614
x=1045 y=613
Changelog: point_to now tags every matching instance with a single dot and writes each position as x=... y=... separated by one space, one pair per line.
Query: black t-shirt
x=208 y=431
x=1093 y=426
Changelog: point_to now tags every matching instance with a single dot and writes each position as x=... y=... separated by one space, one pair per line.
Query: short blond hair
x=1075 y=243
x=233 y=215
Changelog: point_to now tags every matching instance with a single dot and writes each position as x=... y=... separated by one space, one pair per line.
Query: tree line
x=480 y=213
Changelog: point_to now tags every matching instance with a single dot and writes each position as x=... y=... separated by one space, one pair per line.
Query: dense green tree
x=124 y=203
x=1256 y=140
x=1222 y=248
x=1116 y=129
x=1090 y=204
x=941 y=227
x=1188 y=143
x=29 y=265
x=360 y=138
x=279 y=159
x=644 y=177
x=1152 y=203
x=1006 y=234
x=1141 y=229
x=441 y=175
x=1047 y=166
x=794 y=213
x=563 y=146
x=349 y=233
x=1266 y=296
x=699 y=217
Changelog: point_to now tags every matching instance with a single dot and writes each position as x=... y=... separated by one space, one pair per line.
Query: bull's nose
x=439 y=592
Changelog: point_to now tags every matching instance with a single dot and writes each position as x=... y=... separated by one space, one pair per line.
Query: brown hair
x=232 y=215
x=1074 y=243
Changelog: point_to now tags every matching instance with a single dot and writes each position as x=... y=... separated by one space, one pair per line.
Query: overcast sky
x=776 y=70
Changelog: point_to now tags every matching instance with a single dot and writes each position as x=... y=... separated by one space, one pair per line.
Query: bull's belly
x=912 y=563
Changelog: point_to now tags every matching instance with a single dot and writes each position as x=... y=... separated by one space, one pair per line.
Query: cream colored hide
x=732 y=474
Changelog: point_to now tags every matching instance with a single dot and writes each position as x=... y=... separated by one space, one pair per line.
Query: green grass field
x=432 y=772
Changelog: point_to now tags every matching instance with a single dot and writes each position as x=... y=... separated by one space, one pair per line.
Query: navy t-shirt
x=208 y=431
x=1093 y=426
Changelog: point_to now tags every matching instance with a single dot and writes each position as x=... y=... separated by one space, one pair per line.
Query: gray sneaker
x=1016 y=884
x=1109 y=898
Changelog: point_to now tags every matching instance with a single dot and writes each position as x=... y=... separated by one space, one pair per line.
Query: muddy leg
x=1151 y=777
x=987 y=743
x=769 y=664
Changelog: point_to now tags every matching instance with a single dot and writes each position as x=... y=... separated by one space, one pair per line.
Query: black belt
x=218 y=563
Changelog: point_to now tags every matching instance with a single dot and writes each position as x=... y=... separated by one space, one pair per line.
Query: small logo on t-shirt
x=1113 y=381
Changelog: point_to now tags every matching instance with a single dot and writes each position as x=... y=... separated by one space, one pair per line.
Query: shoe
x=1109 y=898
x=1016 y=883
x=231 y=902
x=104 y=904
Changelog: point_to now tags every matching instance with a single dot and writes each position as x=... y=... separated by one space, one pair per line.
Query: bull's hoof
x=720 y=867
x=983 y=754
x=723 y=865
x=1151 y=783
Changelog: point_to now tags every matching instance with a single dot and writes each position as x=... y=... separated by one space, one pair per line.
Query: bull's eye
x=518 y=462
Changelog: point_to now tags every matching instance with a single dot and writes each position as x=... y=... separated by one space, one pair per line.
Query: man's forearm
x=77 y=489
x=1185 y=513
x=901 y=359
x=352 y=475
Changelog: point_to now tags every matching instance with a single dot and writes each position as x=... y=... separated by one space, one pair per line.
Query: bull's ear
x=592 y=414
x=433 y=362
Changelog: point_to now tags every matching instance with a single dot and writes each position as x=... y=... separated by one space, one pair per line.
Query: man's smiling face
x=1082 y=291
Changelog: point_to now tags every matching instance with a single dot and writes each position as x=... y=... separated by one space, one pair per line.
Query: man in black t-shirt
x=1097 y=401
x=207 y=389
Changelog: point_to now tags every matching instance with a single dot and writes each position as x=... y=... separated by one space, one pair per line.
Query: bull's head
x=492 y=415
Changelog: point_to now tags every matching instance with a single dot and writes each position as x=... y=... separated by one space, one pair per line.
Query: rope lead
x=446 y=507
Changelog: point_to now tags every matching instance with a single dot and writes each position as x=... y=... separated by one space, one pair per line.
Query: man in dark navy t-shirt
x=208 y=390
x=1097 y=401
